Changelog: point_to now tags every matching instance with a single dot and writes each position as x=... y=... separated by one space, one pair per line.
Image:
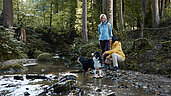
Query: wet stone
x=111 y=94
x=18 y=78
x=76 y=71
x=11 y=85
x=98 y=90
x=35 y=77
x=63 y=87
x=123 y=86
x=68 y=77
x=26 y=94
x=148 y=91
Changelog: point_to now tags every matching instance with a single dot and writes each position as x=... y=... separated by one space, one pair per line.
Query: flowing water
x=91 y=86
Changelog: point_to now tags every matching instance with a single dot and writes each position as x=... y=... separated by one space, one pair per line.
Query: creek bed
x=39 y=78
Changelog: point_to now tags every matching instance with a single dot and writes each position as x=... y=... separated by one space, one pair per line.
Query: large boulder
x=45 y=57
x=141 y=43
x=12 y=68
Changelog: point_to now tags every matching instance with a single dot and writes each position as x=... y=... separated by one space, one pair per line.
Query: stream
x=39 y=78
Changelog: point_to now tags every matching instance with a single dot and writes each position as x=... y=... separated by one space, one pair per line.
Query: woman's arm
x=110 y=30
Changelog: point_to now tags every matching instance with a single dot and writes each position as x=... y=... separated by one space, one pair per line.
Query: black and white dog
x=94 y=63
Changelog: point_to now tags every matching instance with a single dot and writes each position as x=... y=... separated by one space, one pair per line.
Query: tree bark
x=115 y=14
x=148 y=17
x=18 y=10
x=84 y=22
x=110 y=11
x=162 y=8
x=121 y=15
x=103 y=6
x=7 y=13
x=56 y=6
x=155 y=13
x=165 y=3
x=144 y=15
x=51 y=15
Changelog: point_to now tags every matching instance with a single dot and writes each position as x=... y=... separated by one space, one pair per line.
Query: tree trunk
x=144 y=15
x=159 y=4
x=110 y=11
x=165 y=3
x=115 y=14
x=155 y=13
x=84 y=21
x=148 y=17
x=7 y=13
x=51 y=15
x=138 y=23
x=18 y=10
x=103 y=6
x=162 y=8
x=121 y=15
x=56 y=7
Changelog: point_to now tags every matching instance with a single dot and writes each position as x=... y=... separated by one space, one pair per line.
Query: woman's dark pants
x=104 y=44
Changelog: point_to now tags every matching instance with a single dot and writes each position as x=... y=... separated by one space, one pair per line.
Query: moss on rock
x=141 y=43
x=45 y=57
x=15 y=66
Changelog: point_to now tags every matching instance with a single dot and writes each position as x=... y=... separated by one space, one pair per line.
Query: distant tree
x=162 y=8
x=51 y=11
x=7 y=13
x=56 y=6
x=144 y=15
x=104 y=6
x=155 y=13
x=84 y=21
x=109 y=11
x=115 y=14
x=121 y=15
x=148 y=17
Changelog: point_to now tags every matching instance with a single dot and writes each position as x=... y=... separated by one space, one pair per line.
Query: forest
x=39 y=36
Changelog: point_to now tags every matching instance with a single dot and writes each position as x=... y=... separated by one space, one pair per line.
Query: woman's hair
x=114 y=39
x=102 y=16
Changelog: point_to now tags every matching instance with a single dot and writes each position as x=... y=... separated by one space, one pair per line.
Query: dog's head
x=97 y=55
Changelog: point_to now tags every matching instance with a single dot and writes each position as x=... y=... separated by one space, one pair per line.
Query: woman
x=115 y=53
x=105 y=31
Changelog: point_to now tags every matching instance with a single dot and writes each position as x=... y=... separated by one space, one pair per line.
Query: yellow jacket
x=116 y=48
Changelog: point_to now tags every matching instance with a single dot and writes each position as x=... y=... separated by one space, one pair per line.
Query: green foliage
x=38 y=14
x=11 y=48
x=84 y=49
x=37 y=53
x=93 y=14
x=167 y=13
x=150 y=57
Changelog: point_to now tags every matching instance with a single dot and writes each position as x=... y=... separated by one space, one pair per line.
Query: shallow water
x=90 y=85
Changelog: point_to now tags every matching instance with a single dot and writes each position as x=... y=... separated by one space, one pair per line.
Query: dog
x=95 y=63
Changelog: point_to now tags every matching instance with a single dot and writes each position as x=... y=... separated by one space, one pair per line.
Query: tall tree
x=144 y=15
x=56 y=6
x=155 y=13
x=115 y=14
x=162 y=8
x=18 y=12
x=84 y=21
x=7 y=13
x=121 y=15
x=148 y=18
x=103 y=6
x=109 y=11
x=51 y=11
